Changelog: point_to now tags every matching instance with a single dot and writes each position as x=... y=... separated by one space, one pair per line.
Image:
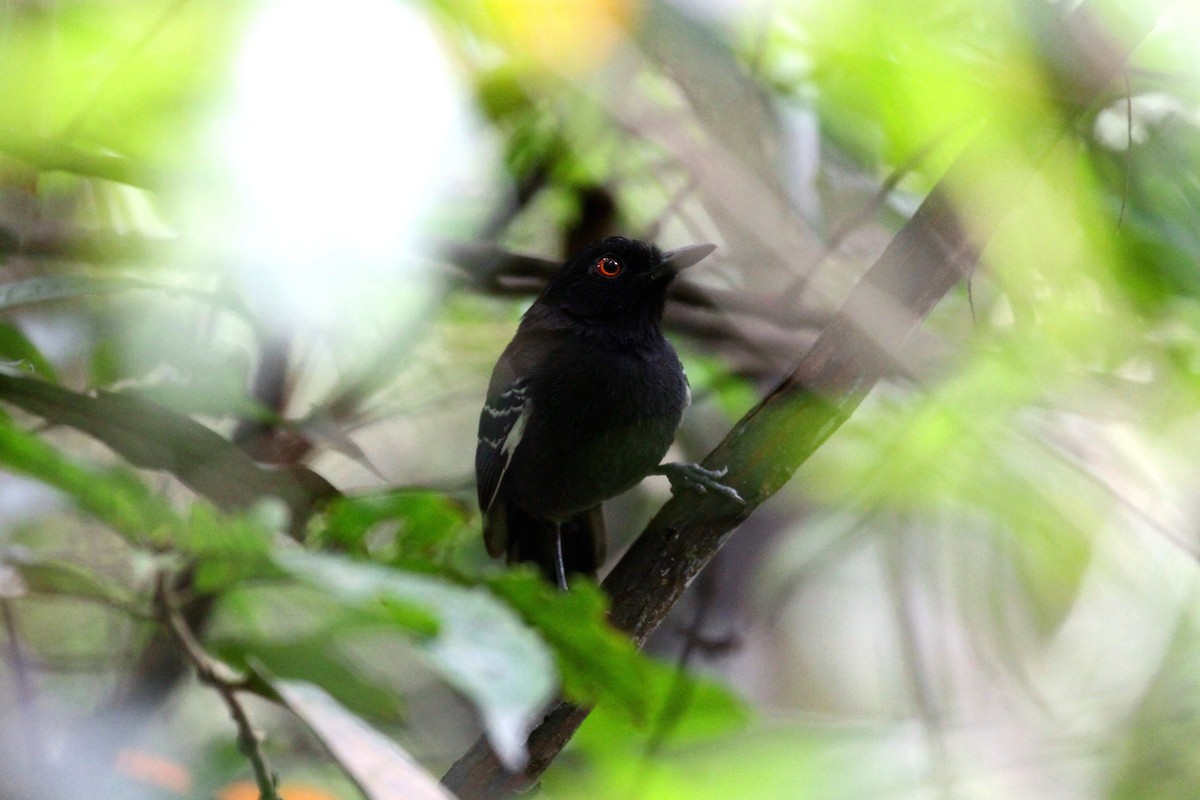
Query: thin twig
x=226 y=681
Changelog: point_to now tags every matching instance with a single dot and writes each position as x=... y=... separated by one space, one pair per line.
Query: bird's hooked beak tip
x=681 y=258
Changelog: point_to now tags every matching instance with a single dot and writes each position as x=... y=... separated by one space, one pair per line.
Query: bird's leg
x=560 y=569
x=696 y=478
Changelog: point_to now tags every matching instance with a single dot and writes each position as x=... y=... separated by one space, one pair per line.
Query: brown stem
x=225 y=681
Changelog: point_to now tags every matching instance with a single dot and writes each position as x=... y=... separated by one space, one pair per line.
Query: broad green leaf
x=636 y=698
x=597 y=663
x=152 y=437
x=118 y=498
x=312 y=656
x=685 y=710
x=380 y=768
x=133 y=82
x=295 y=632
x=481 y=648
x=113 y=496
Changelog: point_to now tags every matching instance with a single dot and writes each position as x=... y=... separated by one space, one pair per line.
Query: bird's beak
x=680 y=259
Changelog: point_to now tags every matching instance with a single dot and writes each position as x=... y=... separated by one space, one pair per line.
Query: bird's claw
x=696 y=478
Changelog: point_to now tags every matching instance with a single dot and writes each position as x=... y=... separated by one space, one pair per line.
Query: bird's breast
x=600 y=422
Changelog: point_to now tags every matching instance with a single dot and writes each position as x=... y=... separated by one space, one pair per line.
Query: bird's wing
x=501 y=425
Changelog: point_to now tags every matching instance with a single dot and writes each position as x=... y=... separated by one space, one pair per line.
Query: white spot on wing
x=502 y=412
x=514 y=436
x=510 y=444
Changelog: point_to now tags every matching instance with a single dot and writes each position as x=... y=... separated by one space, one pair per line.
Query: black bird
x=583 y=403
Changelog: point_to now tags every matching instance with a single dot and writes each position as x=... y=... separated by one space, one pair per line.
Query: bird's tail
x=584 y=537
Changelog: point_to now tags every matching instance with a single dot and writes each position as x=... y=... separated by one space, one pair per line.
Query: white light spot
x=345 y=115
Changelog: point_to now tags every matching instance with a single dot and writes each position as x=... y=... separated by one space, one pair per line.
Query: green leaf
x=118 y=498
x=597 y=663
x=18 y=351
x=637 y=699
x=425 y=523
x=687 y=710
x=48 y=288
x=152 y=437
x=134 y=82
x=297 y=633
x=113 y=496
x=481 y=648
x=708 y=375
x=766 y=762
x=378 y=766
x=52 y=576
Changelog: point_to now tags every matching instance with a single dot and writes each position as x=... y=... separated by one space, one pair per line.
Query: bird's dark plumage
x=583 y=404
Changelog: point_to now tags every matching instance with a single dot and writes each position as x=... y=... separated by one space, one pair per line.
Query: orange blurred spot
x=568 y=37
x=151 y=770
x=248 y=790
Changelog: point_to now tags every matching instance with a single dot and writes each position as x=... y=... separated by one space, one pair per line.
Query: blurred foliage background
x=256 y=262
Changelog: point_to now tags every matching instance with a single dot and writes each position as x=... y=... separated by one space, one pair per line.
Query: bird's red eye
x=608 y=266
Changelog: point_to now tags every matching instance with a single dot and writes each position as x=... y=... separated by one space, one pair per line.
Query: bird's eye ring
x=608 y=267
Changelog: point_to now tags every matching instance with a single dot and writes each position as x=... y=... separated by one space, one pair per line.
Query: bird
x=582 y=404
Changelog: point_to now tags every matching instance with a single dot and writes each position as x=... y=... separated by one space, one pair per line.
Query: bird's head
x=618 y=279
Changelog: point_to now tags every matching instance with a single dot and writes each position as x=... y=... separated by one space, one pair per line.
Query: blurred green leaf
x=600 y=666
x=312 y=656
x=420 y=524
x=48 y=288
x=54 y=576
x=481 y=647
x=1155 y=193
x=890 y=79
x=116 y=497
x=18 y=351
x=298 y=634
x=133 y=82
x=153 y=437
x=707 y=375
x=1151 y=764
x=597 y=663
x=765 y=762
x=686 y=709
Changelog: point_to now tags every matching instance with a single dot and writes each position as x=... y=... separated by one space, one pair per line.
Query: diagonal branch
x=930 y=254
